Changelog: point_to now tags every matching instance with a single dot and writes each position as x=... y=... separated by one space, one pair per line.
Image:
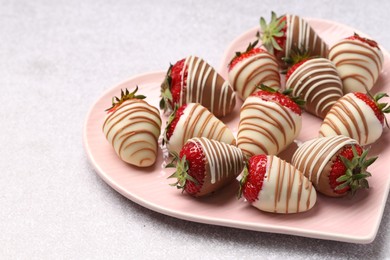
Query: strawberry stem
x=250 y=47
x=356 y=173
x=243 y=180
x=286 y=92
x=181 y=173
x=169 y=122
x=270 y=31
x=125 y=95
x=166 y=95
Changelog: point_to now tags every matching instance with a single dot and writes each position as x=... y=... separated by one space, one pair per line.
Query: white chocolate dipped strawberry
x=356 y=115
x=251 y=68
x=133 y=127
x=359 y=62
x=205 y=166
x=336 y=165
x=194 y=120
x=193 y=80
x=316 y=81
x=274 y=185
x=269 y=122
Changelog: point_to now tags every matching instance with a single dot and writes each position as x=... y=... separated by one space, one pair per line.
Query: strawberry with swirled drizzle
x=133 y=127
x=359 y=61
x=205 y=166
x=269 y=122
x=357 y=115
x=316 y=81
x=251 y=68
x=274 y=185
x=286 y=33
x=336 y=165
x=193 y=80
x=194 y=120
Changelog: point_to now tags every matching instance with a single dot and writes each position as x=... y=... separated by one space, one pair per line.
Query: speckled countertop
x=57 y=58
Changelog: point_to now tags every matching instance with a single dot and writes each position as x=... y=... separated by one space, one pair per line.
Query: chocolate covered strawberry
x=288 y=32
x=133 y=127
x=269 y=122
x=192 y=80
x=251 y=68
x=194 y=120
x=358 y=116
x=317 y=82
x=336 y=165
x=204 y=166
x=359 y=62
x=273 y=185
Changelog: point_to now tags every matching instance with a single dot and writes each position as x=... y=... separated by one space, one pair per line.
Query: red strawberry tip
x=266 y=88
x=238 y=55
x=370 y=42
x=181 y=173
x=125 y=95
x=287 y=92
x=253 y=177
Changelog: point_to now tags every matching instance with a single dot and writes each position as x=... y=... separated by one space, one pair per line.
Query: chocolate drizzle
x=266 y=127
x=300 y=35
x=205 y=86
x=285 y=189
x=317 y=82
x=133 y=130
x=224 y=163
x=352 y=117
x=261 y=68
x=197 y=121
x=314 y=158
x=358 y=64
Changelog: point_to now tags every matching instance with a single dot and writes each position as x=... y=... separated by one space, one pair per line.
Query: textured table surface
x=57 y=58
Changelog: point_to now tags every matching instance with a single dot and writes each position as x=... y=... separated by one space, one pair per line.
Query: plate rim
x=296 y=231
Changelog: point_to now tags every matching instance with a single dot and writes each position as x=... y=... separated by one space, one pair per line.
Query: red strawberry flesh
x=294 y=68
x=339 y=169
x=174 y=122
x=356 y=36
x=257 y=167
x=244 y=56
x=279 y=98
x=177 y=79
x=196 y=162
x=371 y=103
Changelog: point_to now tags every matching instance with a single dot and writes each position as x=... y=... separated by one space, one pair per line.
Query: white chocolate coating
x=266 y=127
x=133 y=130
x=285 y=189
x=358 y=64
x=261 y=68
x=198 y=121
x=352 y=117
x=317 y=82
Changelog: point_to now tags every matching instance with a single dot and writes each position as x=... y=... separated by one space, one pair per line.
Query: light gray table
x=56 y=59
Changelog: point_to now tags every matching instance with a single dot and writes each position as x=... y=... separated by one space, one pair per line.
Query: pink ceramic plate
x=351 y=220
